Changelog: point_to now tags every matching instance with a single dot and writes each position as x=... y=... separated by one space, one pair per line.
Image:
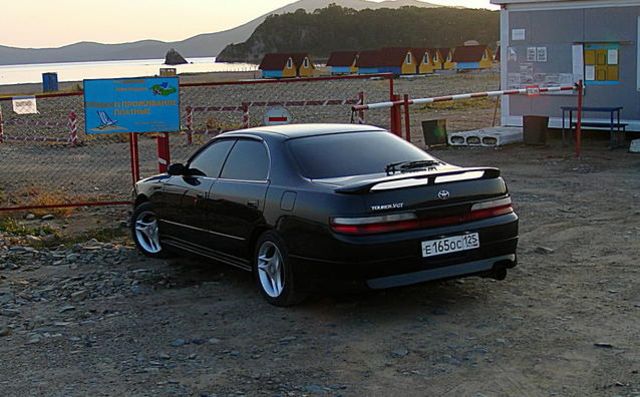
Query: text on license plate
x=450 y=244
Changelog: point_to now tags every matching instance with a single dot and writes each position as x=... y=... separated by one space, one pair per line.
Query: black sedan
x=313 y=207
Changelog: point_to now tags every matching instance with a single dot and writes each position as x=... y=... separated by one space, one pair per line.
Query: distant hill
x=204 y=45
x=337 y=28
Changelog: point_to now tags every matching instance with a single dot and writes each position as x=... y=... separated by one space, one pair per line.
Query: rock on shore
x=173 y=57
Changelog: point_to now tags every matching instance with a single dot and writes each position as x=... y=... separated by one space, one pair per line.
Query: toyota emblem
x=443 y=194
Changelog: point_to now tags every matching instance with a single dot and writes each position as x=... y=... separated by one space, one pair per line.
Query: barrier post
x=73 y=129
x=361 y=100
x=189 y=124
x=133 y=151
x=579 y=120
x=407 y=118
x=245 y=115
x=1 y=127
x=396 y=118
x=164 y=155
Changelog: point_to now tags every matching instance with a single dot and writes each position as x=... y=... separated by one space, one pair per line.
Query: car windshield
x=351 y=153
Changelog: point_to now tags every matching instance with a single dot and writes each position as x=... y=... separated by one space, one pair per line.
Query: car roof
x=304 y=130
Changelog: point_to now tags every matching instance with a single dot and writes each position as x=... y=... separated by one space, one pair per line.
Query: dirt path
x=100 y=320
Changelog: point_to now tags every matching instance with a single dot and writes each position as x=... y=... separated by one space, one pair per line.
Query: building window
x=306 y=63
x=408 y=59
x=601 y=63
x=426 y=58
x=449 y=57
x=289 y=63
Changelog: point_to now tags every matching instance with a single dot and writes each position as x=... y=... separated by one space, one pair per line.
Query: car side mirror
x=177 y=169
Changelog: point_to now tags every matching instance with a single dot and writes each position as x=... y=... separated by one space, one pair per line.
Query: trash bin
x=535 y=129
x=434 y=132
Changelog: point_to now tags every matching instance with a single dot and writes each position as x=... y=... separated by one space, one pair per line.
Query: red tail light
x=409 y=221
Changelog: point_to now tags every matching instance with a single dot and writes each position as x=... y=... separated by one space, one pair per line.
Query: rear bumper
x=378 y=262
x=484 y=266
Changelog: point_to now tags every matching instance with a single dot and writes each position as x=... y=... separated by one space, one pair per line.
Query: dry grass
x=33 y=196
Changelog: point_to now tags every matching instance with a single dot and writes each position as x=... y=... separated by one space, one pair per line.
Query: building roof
x=468 y=53
x=418 y=53
x=274 y=61
x=390 y=56
x=278 y=61
x=342 y=58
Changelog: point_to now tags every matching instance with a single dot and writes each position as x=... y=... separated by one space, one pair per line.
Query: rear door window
x=248 y=161
x=209 y=162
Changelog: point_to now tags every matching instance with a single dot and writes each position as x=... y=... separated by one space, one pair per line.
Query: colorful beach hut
x=425 y=60
x=278 y=66
x=472 y=57
x=446 y=58
x=285 y=65
x=399 y=61
x=343 y=62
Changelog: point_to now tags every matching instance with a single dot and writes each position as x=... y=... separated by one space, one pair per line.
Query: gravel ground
x=95 y=318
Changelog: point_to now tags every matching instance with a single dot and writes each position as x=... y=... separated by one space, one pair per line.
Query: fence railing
x=47 y=160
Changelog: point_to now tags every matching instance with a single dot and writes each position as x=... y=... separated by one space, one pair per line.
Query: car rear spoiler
x=366 y=186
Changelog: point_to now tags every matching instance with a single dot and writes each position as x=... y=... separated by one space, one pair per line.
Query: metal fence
x=47 y=160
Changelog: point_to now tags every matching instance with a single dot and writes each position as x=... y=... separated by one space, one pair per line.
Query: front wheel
x=273 y=273
x=144 y=228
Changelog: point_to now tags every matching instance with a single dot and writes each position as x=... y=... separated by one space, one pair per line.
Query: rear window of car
x=352 y=153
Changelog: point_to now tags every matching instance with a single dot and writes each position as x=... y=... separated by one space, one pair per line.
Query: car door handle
x=253 y=203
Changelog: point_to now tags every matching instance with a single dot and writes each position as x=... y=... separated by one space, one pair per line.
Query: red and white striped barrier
x=73 y=128
x=189 y=124
x=11 y=138
x=422 y=101
x=37 y=123
x=241 y=108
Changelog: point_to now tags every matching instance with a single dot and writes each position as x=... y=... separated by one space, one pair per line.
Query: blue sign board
x=132 y=105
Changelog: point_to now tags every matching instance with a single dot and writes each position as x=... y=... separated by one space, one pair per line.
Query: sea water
x=77 y=71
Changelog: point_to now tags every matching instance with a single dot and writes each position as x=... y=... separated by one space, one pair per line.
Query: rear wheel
x=273 y=273
x=144 y=228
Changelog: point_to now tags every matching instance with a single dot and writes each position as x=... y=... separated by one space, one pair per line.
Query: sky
x=53 y=23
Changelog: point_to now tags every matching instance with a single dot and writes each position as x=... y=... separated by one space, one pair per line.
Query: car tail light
x=409 y=221
x=374 y=224
x=490 y=209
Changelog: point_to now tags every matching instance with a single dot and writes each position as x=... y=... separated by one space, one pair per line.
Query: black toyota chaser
x=315 y=207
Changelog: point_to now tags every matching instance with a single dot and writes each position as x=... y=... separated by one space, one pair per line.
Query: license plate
x=450 y=244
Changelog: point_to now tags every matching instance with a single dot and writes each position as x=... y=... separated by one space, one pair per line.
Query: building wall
x=272 y=74
x=368 y=70
x=467 y=65
x=341 y=70
x=436 y=60
x=409 y=68
x=306 y=71
x=289 y=72
x=558 y=30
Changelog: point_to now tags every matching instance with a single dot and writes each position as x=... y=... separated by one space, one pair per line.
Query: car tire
x=145 y=231
x=273 y=273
